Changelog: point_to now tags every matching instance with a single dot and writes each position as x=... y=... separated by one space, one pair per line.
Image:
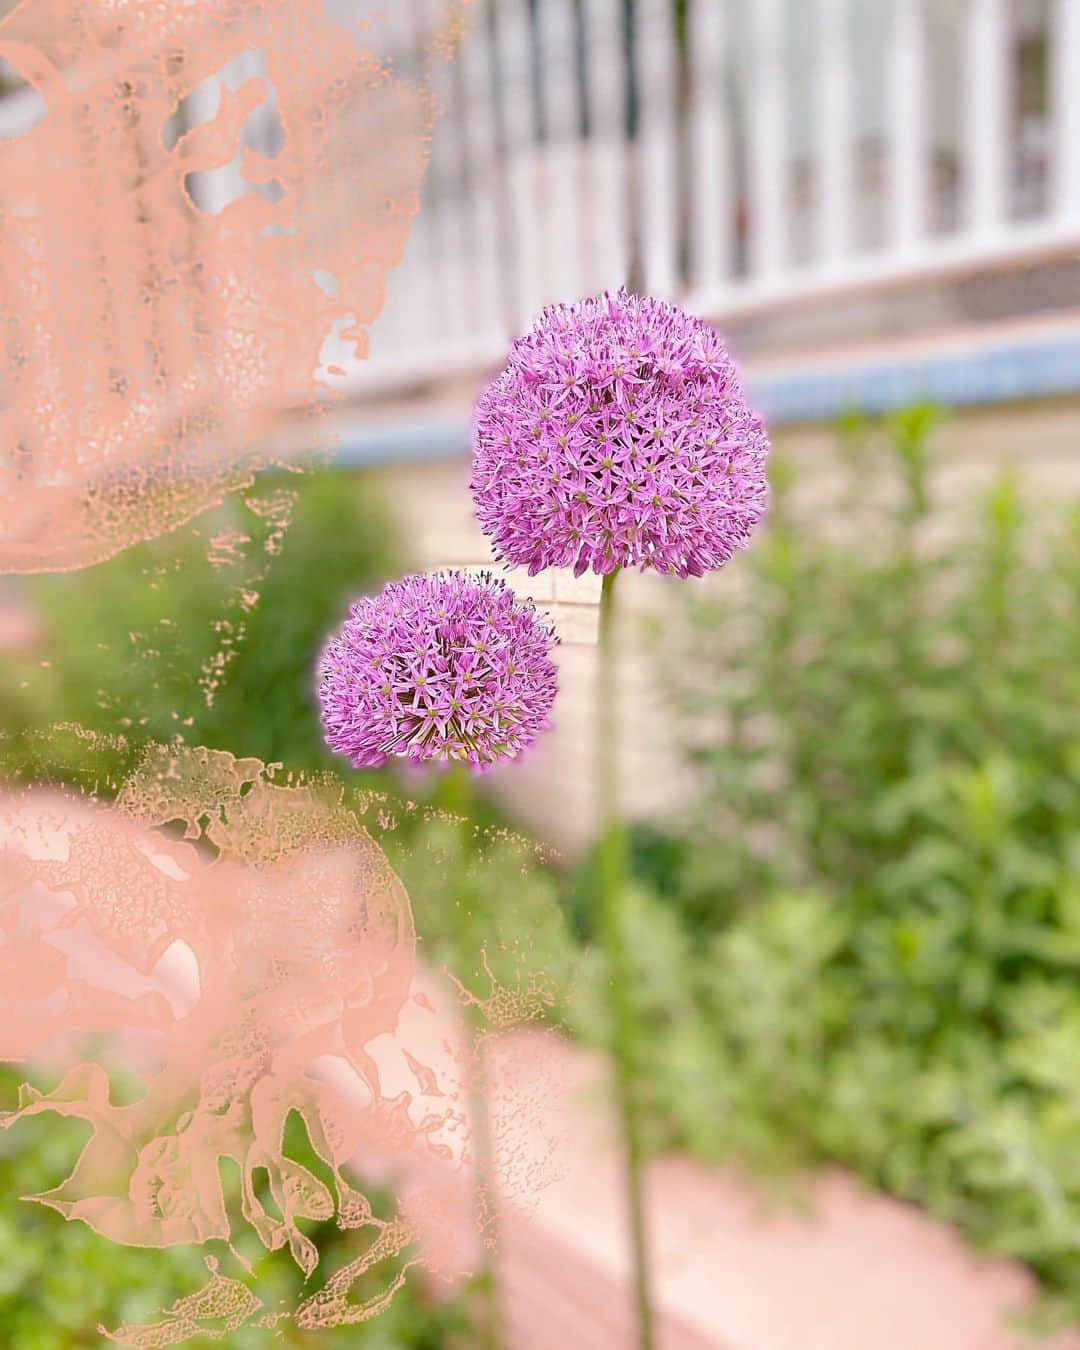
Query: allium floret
x=618 y=436
x=440 y=667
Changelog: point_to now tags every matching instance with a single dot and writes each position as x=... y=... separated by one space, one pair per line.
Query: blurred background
x=851 y=760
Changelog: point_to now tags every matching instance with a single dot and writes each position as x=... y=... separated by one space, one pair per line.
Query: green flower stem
x=458 y=799
x=612 y=878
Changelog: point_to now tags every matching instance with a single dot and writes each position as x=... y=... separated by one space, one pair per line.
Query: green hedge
x=863 y=944
x=59 y=1280
x=233 y=606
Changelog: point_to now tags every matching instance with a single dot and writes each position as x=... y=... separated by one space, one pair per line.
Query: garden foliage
x=863 y=944
x=211 y=632
x=60 y=1281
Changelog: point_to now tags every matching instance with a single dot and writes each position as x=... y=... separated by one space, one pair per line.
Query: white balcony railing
x=733 y=154
x=737 y=155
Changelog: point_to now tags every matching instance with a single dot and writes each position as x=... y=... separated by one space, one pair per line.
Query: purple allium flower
x=618 y=436
x=439 y=667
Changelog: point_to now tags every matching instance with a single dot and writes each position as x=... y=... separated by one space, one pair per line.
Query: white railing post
x=712 y=164
x=1065 y=102
x=607 y=251
x=836 y=141
x=768 y=177
x=445 y=202
x=412 y=313
x=515 y=61
x=908 y=151
x=477 y=60
x=210 y=191
x=658 y=203
x=562 y=156
x=986 y=140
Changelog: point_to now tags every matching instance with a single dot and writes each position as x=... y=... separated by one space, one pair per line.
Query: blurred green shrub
x=863 y=943
x=132 y=645
x=59 y=1280
x=487 y=901
x=232 y=604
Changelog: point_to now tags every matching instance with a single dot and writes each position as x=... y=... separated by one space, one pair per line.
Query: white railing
x=736 y=155
x=750 y=153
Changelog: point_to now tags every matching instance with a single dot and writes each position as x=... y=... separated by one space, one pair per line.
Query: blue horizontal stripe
x=954 y=379
x=403 y=442
x=1005 y=374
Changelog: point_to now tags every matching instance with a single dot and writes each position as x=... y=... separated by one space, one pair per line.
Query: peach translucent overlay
x=197 y=198
x=245 y=961
x=198 y=206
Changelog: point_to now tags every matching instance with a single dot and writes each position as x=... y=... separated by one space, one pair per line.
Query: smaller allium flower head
x=618 y=436
x=442 y=667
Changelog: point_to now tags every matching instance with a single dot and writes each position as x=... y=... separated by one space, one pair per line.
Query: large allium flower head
x=618 y=436
x=443 y=667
